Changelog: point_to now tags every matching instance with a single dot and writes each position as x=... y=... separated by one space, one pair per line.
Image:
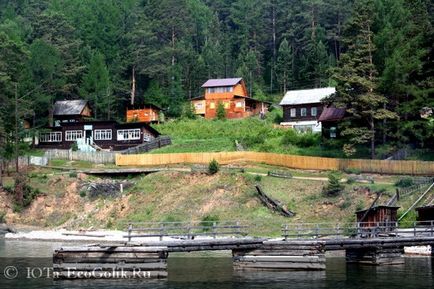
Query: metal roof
x=69 y=107
x=306 y=96
x=221 y=82
x=332 y=114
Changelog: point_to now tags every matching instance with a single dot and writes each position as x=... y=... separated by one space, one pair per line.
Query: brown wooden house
x=71 y=111
x=425 y=215
x=329 y=119
x=381 y=215
x=72 y=125
x=302 y=108
x=147 y=113
x=232 y=94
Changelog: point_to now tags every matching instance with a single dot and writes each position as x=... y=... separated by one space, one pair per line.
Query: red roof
x=221 y=82
x=332 y=114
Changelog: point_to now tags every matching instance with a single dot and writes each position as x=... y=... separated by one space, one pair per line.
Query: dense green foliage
x=377 y=52
x=213 y=167
x=334 y=187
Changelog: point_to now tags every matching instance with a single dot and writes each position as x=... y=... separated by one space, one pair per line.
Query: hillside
x=184 y=196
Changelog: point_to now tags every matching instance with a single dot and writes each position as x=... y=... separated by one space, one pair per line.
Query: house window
x=313 y=111
x=293 y=112
x=303 y=111
x=50 y=137
x=198 y=105
x=73 y=135
x=226 y=104
x=212 y=105
x=333 y=132
x=239 y=104
x=129 y=134
x=219 y=89
x=103 y=134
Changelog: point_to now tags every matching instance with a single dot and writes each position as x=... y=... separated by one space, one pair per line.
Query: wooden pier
x=302 y=247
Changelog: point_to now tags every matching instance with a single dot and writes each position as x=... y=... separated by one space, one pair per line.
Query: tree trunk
x=372 y=139
x=16 y=130
x=133 y=85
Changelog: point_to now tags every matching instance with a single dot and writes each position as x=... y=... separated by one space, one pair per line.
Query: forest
x=378 y=53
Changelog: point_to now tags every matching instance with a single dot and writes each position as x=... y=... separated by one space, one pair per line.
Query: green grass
x=203 y=135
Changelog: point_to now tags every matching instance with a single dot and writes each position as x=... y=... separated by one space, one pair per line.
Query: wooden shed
x=425 y=214
x=382 y=215
x=147 y=113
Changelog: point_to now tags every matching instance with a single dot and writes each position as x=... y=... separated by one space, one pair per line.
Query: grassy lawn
x=203 y=135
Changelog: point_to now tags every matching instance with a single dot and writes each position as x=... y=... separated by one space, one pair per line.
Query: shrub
x=307 y=139
x=21 y=188
x=334 y=187
x=74 y=147
x=208 y=221
x=221 y=113
x=352 y=171
x=258 y=178
x=404 y=182
x=2 y=217
x=73 y=174
x=213 y=167
x=83 y=194
x=188 y=111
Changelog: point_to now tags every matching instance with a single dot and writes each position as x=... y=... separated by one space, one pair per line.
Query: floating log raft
x=273 y=204
x=109 y=262
x=282 y=255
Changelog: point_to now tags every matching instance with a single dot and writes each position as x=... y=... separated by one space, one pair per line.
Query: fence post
x=377 y=229
x=317 y=230
x=238 y=228
x=414 y=228
x=214 y=229
x=130 y=228
x=162 y=231
x=431 y=233
x=285 y=231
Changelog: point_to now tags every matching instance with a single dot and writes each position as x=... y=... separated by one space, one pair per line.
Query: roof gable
x=221 y=82
x=69 y=107
x=306 y=96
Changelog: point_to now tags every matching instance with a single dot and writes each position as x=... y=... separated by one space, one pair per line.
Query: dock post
x=130 y=228
x=375 y=256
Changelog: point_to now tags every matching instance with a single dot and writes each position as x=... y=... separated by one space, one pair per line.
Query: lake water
x=214 y=270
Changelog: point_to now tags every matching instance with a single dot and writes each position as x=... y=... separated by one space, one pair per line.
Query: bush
x=83 y=194
x=258 y=178
x=404 y=182
x=73 y=174
x=352 y=171
x=208 y=221
x=213 y=167
x=334 y=187
x=74 y=147
x=307 y=139
x=22 y=188
x=221 y=113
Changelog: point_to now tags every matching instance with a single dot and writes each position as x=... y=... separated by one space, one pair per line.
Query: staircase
x=84 y=145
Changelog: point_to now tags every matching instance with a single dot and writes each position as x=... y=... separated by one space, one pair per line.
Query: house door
x=88 y=133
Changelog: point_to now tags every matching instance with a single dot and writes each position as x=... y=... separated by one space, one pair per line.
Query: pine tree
x=96 y=87
x=284 y=65
x=357 y=81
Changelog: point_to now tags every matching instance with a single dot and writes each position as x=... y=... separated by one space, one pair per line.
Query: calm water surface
x=214 y=270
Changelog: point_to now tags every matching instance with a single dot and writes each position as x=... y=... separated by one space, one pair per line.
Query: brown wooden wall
x=287 y=112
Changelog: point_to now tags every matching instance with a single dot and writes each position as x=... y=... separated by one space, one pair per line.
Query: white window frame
x=303 y=111
x=293 y=112
x=239 y=104
x=333 y=131
x=314 y=111
x=219 y=89
x=73 y=135
x=50 y=136
x=102 y=134
x=129 y=134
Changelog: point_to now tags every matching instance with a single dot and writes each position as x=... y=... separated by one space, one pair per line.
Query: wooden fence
x=289 y=161
x=98 y=157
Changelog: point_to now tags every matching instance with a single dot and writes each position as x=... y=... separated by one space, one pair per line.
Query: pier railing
x=357 y=230
x=185 y=230
x=214 y=229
